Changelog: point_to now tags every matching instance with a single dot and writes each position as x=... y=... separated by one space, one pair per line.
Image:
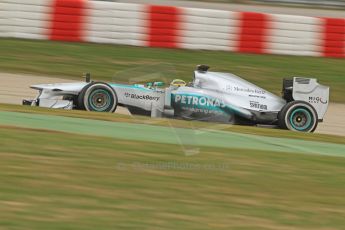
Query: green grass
x=51 y=180
x=175 y=123
x=71 y=60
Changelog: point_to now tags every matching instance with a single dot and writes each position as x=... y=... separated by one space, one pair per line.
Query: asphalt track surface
x=15 y=87
x=169 y=135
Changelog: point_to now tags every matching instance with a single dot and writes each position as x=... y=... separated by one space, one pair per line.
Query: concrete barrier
x=172 y=27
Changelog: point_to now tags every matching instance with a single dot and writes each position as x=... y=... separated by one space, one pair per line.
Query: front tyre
x=298 y=116
x=99 y=97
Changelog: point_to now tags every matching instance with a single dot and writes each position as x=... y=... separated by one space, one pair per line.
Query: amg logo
x=316 y=100
x=257 y=105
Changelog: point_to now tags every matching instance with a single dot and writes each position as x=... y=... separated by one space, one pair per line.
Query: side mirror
x=88 y=77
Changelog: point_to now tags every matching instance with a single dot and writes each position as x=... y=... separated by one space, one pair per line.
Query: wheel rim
x=100 y=100
x=301 y=119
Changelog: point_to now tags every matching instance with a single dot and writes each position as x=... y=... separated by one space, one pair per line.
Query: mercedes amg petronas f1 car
x=211 y=96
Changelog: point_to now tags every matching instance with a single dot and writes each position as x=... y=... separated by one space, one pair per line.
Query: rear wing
x=309 y=90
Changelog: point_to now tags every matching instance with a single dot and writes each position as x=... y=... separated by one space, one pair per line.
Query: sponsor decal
x=205 y=111
x=199 y=101
x=257 y=105
x=316 y=100
x=141 y=97
x=257 y=96
x=248 y=90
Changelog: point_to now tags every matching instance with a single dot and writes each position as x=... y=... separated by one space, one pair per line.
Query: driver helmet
x=178 y=83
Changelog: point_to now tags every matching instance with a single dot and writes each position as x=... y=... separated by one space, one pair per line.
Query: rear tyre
x=99 y=97
x=298 y=116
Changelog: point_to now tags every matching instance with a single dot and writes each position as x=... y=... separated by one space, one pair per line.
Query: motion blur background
x=83 y=170
x=336 y=4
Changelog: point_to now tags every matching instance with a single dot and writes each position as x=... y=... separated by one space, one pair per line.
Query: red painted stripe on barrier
x=67 y=20
x=253 y=30
x=334 y=37
x=163 y=27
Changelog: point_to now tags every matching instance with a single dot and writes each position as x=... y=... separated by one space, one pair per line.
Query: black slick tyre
x=298 y=116
x=97 y=96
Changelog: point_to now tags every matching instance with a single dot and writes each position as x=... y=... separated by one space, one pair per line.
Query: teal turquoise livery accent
x=108 y=100
x=308 y=117
x=197 y=101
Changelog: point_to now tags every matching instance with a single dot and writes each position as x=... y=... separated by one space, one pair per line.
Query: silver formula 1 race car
x=211 y=96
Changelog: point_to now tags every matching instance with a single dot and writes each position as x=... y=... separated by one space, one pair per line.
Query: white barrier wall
x=118 y=23
x=295 y=35
x=172 y=27
x=29 y=20
x=209 y=29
